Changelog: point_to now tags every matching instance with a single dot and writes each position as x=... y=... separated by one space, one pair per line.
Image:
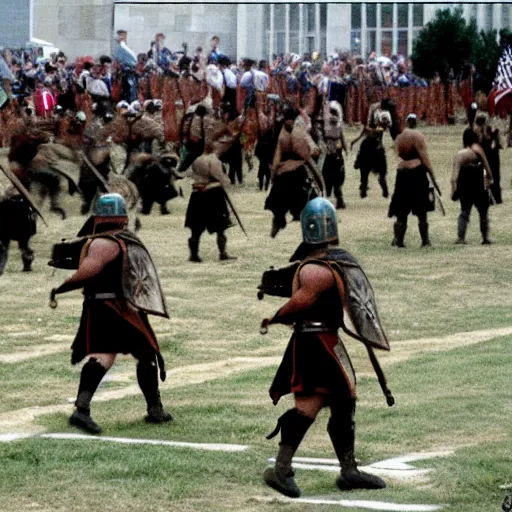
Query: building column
x=378 y=34
x=241 y=27
x=301 y=29
x=364 y=35
x=318 y=40
x=394 y=44
x=287 y=28
x=409 y=29
x=272 y=36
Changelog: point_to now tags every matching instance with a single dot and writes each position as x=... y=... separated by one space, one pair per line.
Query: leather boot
x=423 y=228
x=383 y=185
x=4 y=255
x=484 y=229
x=27 y=257
x=194 y=250
x=221 y=244
x=147 y=378
x=340 y=203
x=90 y=378
x=342 y=437
x=399 y=229
x=277 y=225
x=293 y=426
x=462 y=226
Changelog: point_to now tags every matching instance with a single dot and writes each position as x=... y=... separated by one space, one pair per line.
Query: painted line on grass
x=395 y=467
x=216 y=447
x=363 y=504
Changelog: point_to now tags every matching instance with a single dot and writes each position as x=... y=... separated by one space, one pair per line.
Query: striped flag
x=502 y=87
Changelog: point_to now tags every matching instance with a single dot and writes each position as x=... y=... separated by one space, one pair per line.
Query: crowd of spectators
x=55 y=80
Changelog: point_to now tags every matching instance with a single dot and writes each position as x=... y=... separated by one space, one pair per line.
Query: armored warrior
x=207 y=208
x=329 y=291
x=121 y=287
x=333 y=170
x=471 y=180
x=17 y=209
x=413 y=184
x=372 y=155
x=292 y=185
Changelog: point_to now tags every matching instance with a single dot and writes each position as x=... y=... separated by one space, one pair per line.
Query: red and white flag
x=500 y=97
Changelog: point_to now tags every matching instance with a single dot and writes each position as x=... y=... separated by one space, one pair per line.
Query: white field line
x=363 y=504
x=216 y=447
x=395 y=467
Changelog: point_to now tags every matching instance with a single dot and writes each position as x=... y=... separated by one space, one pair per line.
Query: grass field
x=447 y=310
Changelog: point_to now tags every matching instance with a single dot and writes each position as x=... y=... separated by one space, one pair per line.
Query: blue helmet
x=110 y=205
x=319 y=223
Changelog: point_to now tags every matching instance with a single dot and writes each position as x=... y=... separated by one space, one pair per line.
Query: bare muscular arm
x=314 y=280
x=101 y=252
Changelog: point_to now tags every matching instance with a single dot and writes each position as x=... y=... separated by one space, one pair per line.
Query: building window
x=403 y=15
x=472 y=10
x=355 y=42
x=311 y=44
x=323 y=17
x=279 y=16
x=386 y=43
x=417 y=15
x=387 y=15
x=294 y=17
x=371 y=15
x=310 y=14
x=280 y=43
x=355 y=14
x=402 y=42
x=488 y=17
x=505 y=16
x=371 y=41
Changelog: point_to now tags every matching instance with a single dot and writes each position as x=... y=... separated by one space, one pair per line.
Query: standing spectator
x=160 y=54
x=128 y=61
x=215 y=53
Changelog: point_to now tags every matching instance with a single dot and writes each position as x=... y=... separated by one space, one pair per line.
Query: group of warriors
x=326 y=287
x=121 y=288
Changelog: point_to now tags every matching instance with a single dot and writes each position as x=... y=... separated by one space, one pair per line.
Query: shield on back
x=141 y=285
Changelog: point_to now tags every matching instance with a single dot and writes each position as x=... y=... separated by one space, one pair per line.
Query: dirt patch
x=22 y=419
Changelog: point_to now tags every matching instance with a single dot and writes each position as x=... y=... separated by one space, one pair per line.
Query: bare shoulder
x=313 y=274
x=104 y=248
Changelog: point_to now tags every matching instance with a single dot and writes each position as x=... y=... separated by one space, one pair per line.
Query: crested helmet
x=319 y=223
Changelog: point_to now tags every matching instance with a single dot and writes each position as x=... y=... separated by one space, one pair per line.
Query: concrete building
x=86 y=27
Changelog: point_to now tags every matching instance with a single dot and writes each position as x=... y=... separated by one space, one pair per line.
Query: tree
x=444 y=45
x=485 y=55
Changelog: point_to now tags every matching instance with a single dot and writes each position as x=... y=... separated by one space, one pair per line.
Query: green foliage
x=484 y=56
x=448 y=43
x=444 y=44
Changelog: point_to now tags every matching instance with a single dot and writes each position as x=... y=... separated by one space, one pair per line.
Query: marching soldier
x=372 y=155
x=333 y=170
x=316 y=367
x=121 y=287
x=291 y=184
x=471 y=180
x=17 y=211
x=412 y=186
x=207 y=207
